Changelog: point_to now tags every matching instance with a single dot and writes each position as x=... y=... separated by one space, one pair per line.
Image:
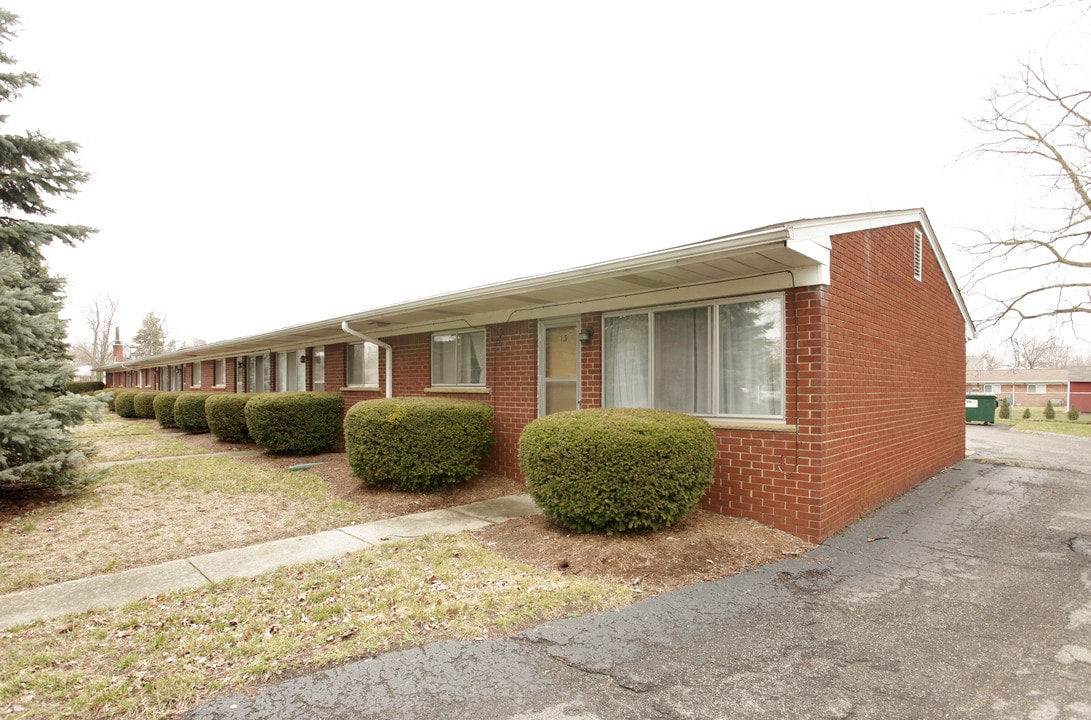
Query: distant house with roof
x=1063 y=387
x=794 y=341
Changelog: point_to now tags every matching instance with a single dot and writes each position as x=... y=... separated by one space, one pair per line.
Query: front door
x=559 y=367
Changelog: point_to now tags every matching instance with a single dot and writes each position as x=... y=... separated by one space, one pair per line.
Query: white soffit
x=795 y=254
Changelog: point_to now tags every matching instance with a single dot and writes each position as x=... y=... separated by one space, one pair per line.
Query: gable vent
x=918 y=251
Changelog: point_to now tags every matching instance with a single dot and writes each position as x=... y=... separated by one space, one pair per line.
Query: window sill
x=459 y=390
x=758 y=425
x=361 y=388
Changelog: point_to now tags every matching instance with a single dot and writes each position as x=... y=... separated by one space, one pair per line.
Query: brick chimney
x=119 y=349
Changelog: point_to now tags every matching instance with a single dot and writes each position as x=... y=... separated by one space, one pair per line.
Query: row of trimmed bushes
x=612 y=470
x=290 y=423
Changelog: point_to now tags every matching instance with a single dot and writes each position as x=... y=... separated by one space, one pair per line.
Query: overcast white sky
x=263 y=164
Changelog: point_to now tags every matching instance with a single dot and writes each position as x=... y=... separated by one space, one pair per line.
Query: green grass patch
x=155 y=658
x=120 y=439
x=148 y=513
x=1037 y=422
x=1058 y=427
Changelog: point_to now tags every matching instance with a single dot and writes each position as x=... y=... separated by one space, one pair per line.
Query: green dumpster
x=981 y=408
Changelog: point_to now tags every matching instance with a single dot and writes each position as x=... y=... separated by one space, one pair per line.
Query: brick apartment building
x=1063 y=387
x=828 y=354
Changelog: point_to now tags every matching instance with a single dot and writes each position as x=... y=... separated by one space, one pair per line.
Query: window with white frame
x=292 y=371
x=1036 y=388
x=219 y=372
x=724 y=358
x=362 y=365
x=991 y=388
x=195 y=380
x=458 y=358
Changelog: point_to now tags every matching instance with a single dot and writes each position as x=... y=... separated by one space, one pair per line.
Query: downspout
x=389 y=355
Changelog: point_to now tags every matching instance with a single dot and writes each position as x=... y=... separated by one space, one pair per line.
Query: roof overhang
x=768 y=259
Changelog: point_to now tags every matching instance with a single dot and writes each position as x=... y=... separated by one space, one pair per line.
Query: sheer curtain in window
x=681 y=360
x=472 y=371
x=625 y=361
x=751 y=379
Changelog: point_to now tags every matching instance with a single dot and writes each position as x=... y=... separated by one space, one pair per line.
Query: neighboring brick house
x=1064 y=387
x=796 y=341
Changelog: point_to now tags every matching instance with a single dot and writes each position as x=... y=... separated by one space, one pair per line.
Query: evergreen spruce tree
x=36 y=449
x=1049 y=413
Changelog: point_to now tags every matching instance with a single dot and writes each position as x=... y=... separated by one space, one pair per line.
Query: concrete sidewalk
x=119 y=588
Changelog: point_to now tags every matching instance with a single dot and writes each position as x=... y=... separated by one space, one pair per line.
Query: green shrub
x=226 y=416
x=1005 y=409
x=1026 y=413
x=107 y=396
x=163 y=404
x=295 y=423
x=617 y=470
x=123 y=403
x=144 y=404
x=1050 y=413
x=82 y=386
x=189 y=412
x=417 y=444
x=1073 y=414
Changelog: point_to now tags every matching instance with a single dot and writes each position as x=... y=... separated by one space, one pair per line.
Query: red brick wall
x=875 y=372
x=511 y=367
x=893 y=411
x=773 y=476
x=591 y=362
x=1081 y=396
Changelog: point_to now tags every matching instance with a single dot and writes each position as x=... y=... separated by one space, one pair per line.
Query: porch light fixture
x=303 y=359
x=585 y=335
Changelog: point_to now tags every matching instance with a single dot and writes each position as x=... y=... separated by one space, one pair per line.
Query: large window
x=1036 y=388
x=458 y=358
x=219 y=373
x=292 y=371
x=362 y=364
x=195 y=380
x=725 y=358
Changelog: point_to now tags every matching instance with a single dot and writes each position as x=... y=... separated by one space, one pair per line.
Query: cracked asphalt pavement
x=967 y=597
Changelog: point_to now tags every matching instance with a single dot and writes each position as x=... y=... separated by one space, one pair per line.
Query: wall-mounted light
x=585 y=335
x=303 y=359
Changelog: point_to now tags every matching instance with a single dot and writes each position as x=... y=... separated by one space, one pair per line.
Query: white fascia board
x=818 y=232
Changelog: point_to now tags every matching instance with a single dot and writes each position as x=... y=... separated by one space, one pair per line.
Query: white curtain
x=472 y=371
x=625 y=361
x=751 y=378
x=681 y=360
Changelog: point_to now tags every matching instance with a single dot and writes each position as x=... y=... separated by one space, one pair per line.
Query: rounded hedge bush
x=417 y=444
x=85 y=386
x=226 y=416
x=617 y=470
x=163 y=404
x=143 y=404
x=189 y=412
x=107 y=396
x=123 y=403
x=295 y=423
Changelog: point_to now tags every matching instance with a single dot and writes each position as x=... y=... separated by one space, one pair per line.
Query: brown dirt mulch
x=700 y=547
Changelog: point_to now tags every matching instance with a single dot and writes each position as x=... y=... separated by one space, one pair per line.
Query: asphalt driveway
x=968 y=597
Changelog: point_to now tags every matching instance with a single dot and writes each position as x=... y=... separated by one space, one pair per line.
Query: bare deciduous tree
x=99 y=315
x=1040 y=268
x=1030 y=352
